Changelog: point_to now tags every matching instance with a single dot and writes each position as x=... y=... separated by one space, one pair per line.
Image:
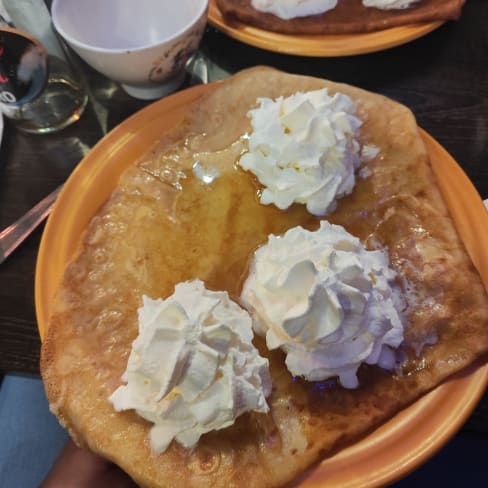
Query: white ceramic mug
x=143 y=45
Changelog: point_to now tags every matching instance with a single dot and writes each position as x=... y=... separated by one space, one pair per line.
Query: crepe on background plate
x=151 y=235
x=348 y=17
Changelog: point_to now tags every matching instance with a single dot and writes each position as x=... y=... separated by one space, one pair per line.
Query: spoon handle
x=12 y=236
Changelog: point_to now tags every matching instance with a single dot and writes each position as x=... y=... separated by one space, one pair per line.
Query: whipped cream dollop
x=304 y=149
x=288 y=9
x=329 y=303
x=389 y=4
x=193 y=367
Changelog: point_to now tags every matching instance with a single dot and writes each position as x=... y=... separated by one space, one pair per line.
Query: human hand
x=80 y=468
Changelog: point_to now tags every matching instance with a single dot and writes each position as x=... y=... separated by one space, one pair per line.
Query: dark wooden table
x=442 y=77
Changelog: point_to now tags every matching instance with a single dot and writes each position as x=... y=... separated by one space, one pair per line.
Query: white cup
x=142 y=45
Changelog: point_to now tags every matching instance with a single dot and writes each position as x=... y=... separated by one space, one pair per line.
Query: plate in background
x=319 y=45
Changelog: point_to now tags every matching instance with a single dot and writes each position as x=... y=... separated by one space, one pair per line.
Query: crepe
x=348 y=17
x=159 y=228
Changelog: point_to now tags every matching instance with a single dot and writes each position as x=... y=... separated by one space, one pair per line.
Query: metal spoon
x=12 y=236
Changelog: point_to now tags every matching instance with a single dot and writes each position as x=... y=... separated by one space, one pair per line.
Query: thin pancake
x=158 y=229
x=348 y=17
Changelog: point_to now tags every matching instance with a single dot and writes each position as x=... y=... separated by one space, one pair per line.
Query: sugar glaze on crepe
x=164 y=224
x=348 y=17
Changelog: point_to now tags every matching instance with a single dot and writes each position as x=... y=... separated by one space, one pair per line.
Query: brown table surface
x=442 y=77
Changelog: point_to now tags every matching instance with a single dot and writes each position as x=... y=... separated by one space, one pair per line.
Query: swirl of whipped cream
x=329 y=303
x=389 y=4
x=304 y=149
x=193 y=367
x=288 y=9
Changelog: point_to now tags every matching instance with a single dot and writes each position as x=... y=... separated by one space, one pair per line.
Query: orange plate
x=319 y=45
x=395 y=448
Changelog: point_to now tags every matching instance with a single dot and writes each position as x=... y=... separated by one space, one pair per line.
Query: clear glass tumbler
x=41 y=90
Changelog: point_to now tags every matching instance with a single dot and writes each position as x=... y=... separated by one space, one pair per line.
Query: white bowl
x=143 y=45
